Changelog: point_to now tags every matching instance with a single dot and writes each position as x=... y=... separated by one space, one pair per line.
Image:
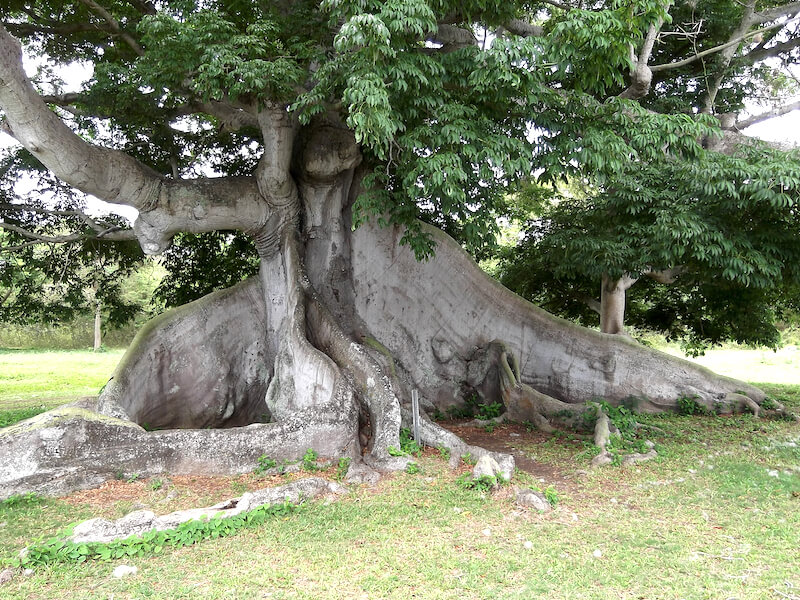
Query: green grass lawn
x=756 y=365
x=716 y=516
x=36 y=379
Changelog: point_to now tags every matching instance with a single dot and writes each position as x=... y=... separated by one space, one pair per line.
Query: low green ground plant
x=310 y=460
x=483 y=483
x=688 y=405
x=57 y=550
x=342 y=467
x=265 y=463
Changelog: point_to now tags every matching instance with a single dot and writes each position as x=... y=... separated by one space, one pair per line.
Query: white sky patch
x=785 y=128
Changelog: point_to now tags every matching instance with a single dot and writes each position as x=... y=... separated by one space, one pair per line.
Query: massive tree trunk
x=323 y=349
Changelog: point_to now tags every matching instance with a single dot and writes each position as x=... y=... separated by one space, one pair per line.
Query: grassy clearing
x=710 y=519
x=781 y=366
x=717 y=515
x=37 y=380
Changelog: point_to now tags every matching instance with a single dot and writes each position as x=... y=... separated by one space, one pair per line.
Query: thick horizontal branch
x=231 y=118
x=453 y=37
x=63 y=99
x=766 y=116
x=27 y=29
x=523 y=28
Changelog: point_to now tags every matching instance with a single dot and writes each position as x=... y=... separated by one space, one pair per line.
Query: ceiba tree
x=330 y=133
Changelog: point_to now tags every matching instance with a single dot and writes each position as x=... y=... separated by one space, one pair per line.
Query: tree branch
x=114 y=24
x=777 y=12
x=665 y=276
x=165 y=206
x=642 y=74
x=766 y=116
x=114 y=234
x=592 y=304
x=98 y=225
x=6 y=296
x=24 y=29
x=143 y=6
x=763 y=53
x=452 y=37
x=523 y=28
x=558 y=4
x=734 y=42
x=108 y=174
x=231 y=118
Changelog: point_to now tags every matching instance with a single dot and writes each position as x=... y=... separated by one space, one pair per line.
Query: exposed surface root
x=141 y=521
x=436 y=436
x=604 y=431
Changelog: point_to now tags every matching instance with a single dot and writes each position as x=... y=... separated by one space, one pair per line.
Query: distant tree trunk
x=612 y=303
x=98 y=321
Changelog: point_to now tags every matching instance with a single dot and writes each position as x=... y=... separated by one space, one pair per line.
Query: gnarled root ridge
x=75 y=447
x=284 y=363
x=442 y=320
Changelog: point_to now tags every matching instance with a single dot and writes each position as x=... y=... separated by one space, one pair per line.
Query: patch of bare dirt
x=180 y=492
x=503 y=438
x=190 y=491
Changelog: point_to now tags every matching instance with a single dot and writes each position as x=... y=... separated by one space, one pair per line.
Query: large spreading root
x=279 y=349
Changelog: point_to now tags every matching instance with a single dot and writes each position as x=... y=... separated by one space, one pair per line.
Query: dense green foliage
x=728 y=224
x=199 y=264
x=449 y=124
x=43 y=280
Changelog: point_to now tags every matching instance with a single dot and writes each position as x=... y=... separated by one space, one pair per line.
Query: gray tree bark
x=323 y=348
x=98 y=321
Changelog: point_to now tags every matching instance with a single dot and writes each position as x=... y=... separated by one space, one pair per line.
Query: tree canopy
x=451 y=102
x=292 y=121
x=722 y=231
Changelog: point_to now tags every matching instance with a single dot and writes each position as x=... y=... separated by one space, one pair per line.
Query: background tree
x=196 y=265
x=315 y=116
x=721 y=230
x=57 y=262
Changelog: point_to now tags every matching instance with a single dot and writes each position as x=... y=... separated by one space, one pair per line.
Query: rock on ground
x=487 y=467
x=536 y=500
